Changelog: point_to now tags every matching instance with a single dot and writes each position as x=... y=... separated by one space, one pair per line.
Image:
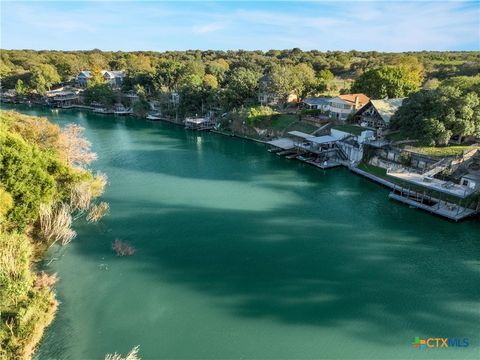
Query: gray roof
x=473 y=177
x=387 y=107
x=85 y=73
x=113 y=74
x=300 y=134
x=316 y=101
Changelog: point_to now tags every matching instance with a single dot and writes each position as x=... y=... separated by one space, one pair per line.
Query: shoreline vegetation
x=45 y=184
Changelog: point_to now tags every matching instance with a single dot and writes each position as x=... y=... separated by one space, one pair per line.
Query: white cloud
x=207 y=28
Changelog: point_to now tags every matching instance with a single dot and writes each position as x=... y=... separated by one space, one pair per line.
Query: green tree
x=218 y=68
x=141 y=107
x=167 y=75
x=43 y=77
x=210 y=81
x=20 y=89
x=386 y=81
x=97 y=77
x=101 y=93
x=305 y=80
x=242 y=86
x=436 y=116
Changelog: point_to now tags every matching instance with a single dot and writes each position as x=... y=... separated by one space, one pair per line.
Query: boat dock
x=421 y=201
x=434 y=206
x=199 y=124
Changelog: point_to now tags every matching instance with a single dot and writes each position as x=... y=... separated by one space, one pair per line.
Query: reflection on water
x=242 y=254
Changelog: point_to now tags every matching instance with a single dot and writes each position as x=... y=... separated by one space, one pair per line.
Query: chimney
x=356 y=102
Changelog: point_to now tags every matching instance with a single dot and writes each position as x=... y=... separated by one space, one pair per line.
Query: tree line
x=201 y=74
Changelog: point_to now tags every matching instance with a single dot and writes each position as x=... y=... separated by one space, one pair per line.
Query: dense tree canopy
x=242 y=85
x=101 y=93
x=451 y=111
x=43 y=77
x=385 y=82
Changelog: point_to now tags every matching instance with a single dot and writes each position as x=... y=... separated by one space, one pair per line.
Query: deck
x=432 y=205
x=442 y=208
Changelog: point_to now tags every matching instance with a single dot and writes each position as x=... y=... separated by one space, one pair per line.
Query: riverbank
x=45 y=183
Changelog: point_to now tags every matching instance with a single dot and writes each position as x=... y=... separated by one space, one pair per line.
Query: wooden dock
x=420 y=201
x=441 y=208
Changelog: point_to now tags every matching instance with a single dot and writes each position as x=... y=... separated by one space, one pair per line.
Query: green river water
x=244 y=254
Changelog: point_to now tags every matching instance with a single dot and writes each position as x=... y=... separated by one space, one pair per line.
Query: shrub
x=55 y=224
x=96 y=212
x=15 y=275
x=259 y=113
x=26 y=174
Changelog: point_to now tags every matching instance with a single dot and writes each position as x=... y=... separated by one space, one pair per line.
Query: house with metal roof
x=377 y=113
x=316 y=103
x=114 y=78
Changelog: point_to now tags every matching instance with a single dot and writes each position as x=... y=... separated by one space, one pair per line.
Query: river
x=243 y=254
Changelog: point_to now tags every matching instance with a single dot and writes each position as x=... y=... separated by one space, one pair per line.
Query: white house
x=343 y=105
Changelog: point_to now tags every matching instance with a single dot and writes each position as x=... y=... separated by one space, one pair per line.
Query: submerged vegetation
x=132 y=355
x=45 y=184
x=122 y=248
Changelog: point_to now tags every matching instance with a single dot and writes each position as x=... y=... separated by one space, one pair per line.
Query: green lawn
x=281 y=121
x=374 y=170
x=303 y=127
x=443 y=151
x=396 y=136
x=352 y=129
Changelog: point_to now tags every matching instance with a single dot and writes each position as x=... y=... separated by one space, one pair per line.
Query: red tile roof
x=362 y=98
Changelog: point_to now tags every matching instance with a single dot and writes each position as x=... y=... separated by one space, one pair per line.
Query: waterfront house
x=64 y=98
x=82 y=78
x=316 y=103
x=342 y=106
x=113 y=78
x=377 y=113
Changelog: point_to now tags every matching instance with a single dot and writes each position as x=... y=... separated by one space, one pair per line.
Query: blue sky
x=249 y=25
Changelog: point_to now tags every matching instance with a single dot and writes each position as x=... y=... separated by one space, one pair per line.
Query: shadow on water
x=283 y=268
x=327 y=249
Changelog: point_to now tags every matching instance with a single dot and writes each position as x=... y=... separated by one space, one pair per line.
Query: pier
x=421 y=201
x=199 y=124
